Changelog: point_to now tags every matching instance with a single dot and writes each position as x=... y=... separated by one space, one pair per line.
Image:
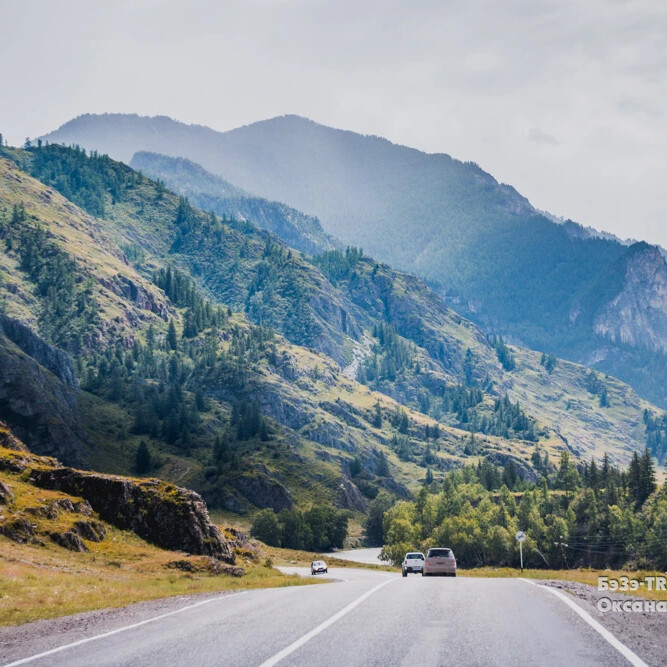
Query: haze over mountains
x=554 y=287
x=212 y=193
x=253 y=373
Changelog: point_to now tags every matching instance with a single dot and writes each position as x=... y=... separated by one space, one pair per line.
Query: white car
x=318 y=566
x=413 y=562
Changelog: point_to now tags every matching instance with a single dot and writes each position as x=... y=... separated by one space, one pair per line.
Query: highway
x=366 y=617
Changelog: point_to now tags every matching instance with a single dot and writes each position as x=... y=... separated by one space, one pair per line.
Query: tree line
x=593 y=515
x=320 y=528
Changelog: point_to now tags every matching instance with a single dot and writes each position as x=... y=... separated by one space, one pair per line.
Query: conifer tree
x=172 y=338
x=143 y=460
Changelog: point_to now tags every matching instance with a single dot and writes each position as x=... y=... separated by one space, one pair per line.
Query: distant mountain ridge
x=212 y=193
x=480 y=243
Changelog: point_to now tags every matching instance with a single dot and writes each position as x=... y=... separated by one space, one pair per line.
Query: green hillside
x=250 y=372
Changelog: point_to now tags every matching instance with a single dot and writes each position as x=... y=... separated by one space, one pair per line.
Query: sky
x=565 y=100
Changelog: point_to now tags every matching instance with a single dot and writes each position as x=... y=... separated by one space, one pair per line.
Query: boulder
x=69 y=540
x=205 y=565
x=20 y=530
x=94 y=531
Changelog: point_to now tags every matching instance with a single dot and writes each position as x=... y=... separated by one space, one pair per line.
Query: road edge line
x=288 y=650
x=627 y=653
x=85 y=640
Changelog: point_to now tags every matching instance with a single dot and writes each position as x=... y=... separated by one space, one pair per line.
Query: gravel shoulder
x=20 y=641
x=642 y=632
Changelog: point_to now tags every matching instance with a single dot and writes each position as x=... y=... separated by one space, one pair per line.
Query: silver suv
x=413 y=562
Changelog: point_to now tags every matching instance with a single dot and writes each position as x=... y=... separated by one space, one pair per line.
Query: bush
x=266 y=528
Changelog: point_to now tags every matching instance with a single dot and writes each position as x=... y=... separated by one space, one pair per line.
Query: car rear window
x=413 y=556
x=439 y=553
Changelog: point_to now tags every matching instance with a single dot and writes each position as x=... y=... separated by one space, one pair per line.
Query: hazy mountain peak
x=501 y=262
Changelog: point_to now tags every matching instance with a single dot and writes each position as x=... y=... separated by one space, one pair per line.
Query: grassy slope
x=98 y=247
x=560 y=401
x=44 y=580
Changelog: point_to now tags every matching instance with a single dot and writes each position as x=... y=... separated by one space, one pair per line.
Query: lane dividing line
x=281 y=655
x=64 y=647
x=632 y=657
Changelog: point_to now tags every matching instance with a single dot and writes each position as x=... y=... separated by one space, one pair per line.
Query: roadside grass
x=583 y=576
x=39 y=582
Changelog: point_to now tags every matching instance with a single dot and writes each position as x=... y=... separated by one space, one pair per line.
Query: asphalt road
x=370 y=556
x=365 y=618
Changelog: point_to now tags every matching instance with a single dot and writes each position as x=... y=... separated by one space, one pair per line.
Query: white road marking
x=632 y=657
x=32 y=658
x=281 y=655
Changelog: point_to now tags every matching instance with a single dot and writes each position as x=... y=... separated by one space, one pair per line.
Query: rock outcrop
x=51 y=358
x=263 y=491
x=40 y=408
x=637 y=315
x=349 y=497
x=129 y=290
x=166 y=515
x=8 y=440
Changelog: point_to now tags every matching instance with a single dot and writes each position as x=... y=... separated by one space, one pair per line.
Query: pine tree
x=143 y=459
x=604 y=398
x=593 y=476
x=404 y=423
x=468 y=368
x=647 y=476
x=382 y=465
x=634 y=478
x=172 y=338
x=377 y=415
x=606 y=470
x=200 y=400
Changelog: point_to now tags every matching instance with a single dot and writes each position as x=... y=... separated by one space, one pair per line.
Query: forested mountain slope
x=497 y=259
x=252 y=374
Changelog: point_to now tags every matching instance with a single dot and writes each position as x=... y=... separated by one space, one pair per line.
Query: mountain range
x=256 y=374
x=558 y=288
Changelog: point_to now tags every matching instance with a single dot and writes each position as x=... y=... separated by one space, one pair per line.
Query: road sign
x=520 y=537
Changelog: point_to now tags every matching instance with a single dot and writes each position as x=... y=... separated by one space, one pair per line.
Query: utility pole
x=560 y=544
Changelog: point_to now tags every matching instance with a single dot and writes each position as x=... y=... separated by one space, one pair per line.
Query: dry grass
x=45 y=582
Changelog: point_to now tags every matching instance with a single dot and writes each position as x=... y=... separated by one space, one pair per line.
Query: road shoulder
x=641 y=632
x=20 y=641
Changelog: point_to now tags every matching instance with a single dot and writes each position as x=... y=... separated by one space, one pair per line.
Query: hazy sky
x=565 y=100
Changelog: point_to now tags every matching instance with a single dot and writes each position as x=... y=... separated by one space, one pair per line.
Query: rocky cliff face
x=166 y=515
x=637 y=316
x=39 y=406
x=56 y=361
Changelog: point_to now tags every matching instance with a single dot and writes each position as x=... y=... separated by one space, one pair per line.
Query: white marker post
x=520 y=537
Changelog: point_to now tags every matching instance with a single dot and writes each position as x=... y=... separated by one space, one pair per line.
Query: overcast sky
x=565 y=100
